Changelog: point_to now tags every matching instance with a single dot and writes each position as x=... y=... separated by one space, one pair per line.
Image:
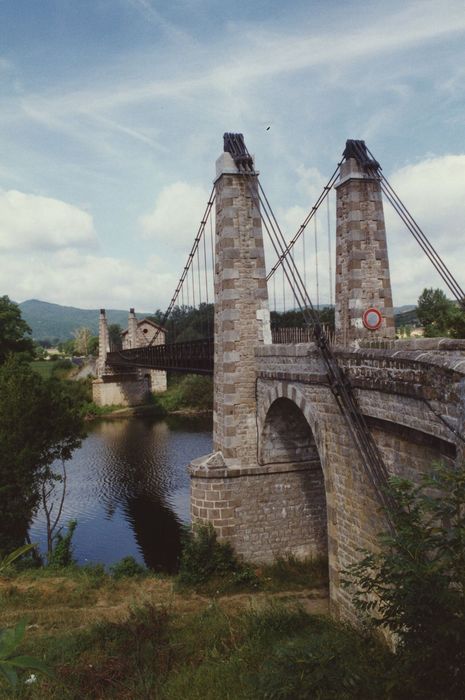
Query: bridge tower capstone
x=242 y=318
x=363 y=285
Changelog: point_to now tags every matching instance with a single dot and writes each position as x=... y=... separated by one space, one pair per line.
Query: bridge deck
x=194 y=356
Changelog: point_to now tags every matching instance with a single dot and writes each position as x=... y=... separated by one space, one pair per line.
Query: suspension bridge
x=308 y=423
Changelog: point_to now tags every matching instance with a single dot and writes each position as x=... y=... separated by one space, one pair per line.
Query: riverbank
x=149 y=409
x=143 y=638
x=186 y=395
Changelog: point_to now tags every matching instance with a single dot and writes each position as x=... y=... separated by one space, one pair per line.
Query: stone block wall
x=241 y=312
x=362 y=265
x=413 y=401
x=120 y=391
x=264 y=512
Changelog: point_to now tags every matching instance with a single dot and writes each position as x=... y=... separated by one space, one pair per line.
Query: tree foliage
x=415 y=586
x=440 y=316
x=14 y=331
x=39 y=423
x=188 y=323
x=82 y=338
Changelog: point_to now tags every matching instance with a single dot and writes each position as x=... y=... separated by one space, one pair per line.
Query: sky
x=112 y=114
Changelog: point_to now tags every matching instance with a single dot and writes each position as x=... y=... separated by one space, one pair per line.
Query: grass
x=288 y=572
x=139 y=636
x=131 y=637
x=172 y=647
x=43 y=367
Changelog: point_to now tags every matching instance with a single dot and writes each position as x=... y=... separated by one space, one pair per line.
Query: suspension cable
x=373 y=168
x=195 y=245
x=338 y=381
x=326 y=190
x=316 y=265
x=330 y=255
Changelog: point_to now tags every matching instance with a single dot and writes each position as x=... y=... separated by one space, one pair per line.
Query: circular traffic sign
x=372 y=319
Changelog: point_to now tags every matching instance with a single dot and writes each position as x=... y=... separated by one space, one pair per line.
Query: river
x=128 y=488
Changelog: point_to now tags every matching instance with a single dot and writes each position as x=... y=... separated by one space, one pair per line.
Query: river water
x=128 y=488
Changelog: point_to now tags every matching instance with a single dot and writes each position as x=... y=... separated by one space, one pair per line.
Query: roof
x=151 y=323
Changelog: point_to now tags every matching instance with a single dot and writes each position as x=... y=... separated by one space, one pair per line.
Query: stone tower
x=242 y=318
x=363 y=284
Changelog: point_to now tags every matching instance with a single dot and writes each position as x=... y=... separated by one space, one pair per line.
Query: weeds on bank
x=275 y=651
x=289 y=572
x=211 y=566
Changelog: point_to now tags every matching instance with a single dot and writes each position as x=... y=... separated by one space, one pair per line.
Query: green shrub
x=189 y=392
x=61 y=363
x=127 y=567
x=415 y=586
x=204 y=560
x=324 y=661
x=62 y=552
x=289 y=571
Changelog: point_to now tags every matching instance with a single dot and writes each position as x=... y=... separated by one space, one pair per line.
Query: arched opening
x=287 y=439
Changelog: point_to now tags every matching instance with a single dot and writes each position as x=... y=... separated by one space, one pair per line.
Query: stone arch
x=289 y=434
x=286 y=435
x=285 y=390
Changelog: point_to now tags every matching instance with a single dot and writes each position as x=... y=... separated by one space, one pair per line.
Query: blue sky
x=112 y=114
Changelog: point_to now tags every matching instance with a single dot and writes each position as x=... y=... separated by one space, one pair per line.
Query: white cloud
x=176 y=215
x=87 y=281
x=29 y=221
x=433 y=192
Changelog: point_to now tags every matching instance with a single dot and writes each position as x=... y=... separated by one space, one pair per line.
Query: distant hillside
x=403 y=309
x=407 y=318
x=52 y=321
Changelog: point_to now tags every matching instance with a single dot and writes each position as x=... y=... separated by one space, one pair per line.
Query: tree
x=68 y=347
x=93 y=346
x=39 y=423
x=439 y=315
x=13 y=330
x=82 y=337
x=415 y=586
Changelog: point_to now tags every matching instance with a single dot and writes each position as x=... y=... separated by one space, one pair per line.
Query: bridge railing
x=193 y=356
x=291 y=336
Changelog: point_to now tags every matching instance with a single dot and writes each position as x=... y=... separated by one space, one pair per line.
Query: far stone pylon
x=242 y=318
x=364 y=307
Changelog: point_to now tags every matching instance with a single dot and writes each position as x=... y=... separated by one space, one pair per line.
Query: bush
x=190 y=392
x=204 y=560
x=127 y=567
x=62 y=553
x=415 y=586
x=324 y=662
x=289 y=571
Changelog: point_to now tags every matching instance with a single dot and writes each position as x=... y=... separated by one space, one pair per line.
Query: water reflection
x=129 y=489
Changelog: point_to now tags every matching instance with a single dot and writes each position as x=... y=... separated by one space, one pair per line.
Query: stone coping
x=442 y=352
x=198 y=468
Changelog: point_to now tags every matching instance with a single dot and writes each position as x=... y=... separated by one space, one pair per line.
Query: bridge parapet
x=414 y=384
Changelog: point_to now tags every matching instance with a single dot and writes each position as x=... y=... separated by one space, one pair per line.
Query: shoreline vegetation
x=187 y=395
x=143 y=636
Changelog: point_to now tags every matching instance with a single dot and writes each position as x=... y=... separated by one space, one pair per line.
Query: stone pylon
x=103 y=343
x=363 y=285
x=242 y=318
x=132 y=329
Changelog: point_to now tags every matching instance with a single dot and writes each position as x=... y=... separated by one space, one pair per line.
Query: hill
x=57 y=323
